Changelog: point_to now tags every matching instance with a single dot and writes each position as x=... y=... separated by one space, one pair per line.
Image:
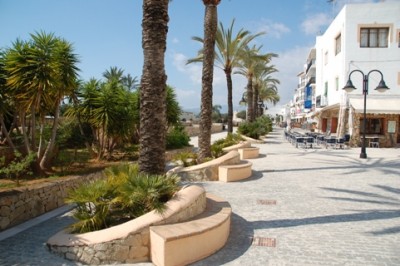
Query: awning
x=377 y=105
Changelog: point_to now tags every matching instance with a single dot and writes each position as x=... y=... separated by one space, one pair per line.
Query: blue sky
x=107 y=33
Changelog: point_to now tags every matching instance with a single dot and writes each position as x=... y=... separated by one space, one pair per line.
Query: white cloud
x=274 y=29
x=313 y=24
x=192 y=70
x=175 y=40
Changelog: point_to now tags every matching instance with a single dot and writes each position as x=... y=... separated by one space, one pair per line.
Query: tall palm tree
x=153 y=87
x=228 y=48
x=210 y=30
x=262 y=80
x=250 y=60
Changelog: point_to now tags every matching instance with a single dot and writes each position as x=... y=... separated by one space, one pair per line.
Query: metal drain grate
x=263 y=241
x=266 y=202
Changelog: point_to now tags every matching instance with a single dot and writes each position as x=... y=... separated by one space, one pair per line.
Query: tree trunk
x=153 y=90
x=230 y=104
x=45 y=161
x=33 y=128
x=210 y=29
x=5 y=132
x=255 y=102
x=250 y=108
x=24 y=134
x=88 y=146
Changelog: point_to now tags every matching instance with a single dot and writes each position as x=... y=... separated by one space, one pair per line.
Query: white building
x=362 y=37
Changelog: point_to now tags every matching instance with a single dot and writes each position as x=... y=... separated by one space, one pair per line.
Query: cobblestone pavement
x=300 y=207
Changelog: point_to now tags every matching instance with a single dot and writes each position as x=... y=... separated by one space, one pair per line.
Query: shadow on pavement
x=238 y=243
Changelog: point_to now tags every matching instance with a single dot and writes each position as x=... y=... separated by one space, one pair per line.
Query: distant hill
x=224 y=109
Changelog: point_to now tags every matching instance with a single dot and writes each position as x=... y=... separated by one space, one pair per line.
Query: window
x=374 y=37
x=338 y=44
x=337 y=83
x=326 y=89
x=373 y=126
x=326 y=57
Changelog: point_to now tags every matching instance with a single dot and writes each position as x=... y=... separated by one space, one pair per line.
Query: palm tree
x=228 y=48
x=5 y=100
x=153 y=87
x=129 y=82
x=40 y=73
x=67 y=70
x=216 y=112
x=210 y=30
x=262 y=80
x=114 y=74
x=250 y=60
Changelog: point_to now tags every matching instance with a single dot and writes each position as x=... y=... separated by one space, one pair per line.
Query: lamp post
x=350 y=87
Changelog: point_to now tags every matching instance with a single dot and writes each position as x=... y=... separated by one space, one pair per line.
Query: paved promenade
x=300 y=207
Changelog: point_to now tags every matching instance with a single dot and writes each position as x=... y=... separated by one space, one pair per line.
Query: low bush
x=177 y=138
x=124 y=194
x=262 y=126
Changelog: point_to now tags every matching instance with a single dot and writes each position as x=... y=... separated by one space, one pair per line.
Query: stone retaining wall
x=193 y=130
x=22 y=204
x=128 y=242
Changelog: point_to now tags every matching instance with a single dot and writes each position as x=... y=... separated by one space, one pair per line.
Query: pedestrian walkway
x=300 y=207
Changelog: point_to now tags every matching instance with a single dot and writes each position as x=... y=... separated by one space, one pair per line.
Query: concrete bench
x=207 y=171
x=243 y=144
x=128 y=242
x=249 y=153
x=188 y=242
x=229 y=173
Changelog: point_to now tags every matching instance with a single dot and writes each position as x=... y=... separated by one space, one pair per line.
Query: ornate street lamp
x=243 y=100
x=350 y=87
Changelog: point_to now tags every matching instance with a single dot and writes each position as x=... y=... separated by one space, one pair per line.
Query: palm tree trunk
x=24 y=133
x=45 y=161
x=255 y=102
x=210 y=29
x=33 y=128
x=40 y=150
x=87 y=144
x=230 y=104
x=250 y=107
x=153 y=90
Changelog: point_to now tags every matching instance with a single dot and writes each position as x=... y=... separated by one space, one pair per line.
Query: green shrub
x=19 y=166
x=177 y=138
x=123 y=195
x=256 y=129
x=186 y=158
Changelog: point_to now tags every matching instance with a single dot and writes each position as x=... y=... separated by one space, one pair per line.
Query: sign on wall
x=391 y=126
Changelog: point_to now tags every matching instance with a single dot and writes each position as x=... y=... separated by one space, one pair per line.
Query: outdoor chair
x=330 y=142
x=299 y=142
x=340 y=143
x=374 y=143
x=309 y=141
